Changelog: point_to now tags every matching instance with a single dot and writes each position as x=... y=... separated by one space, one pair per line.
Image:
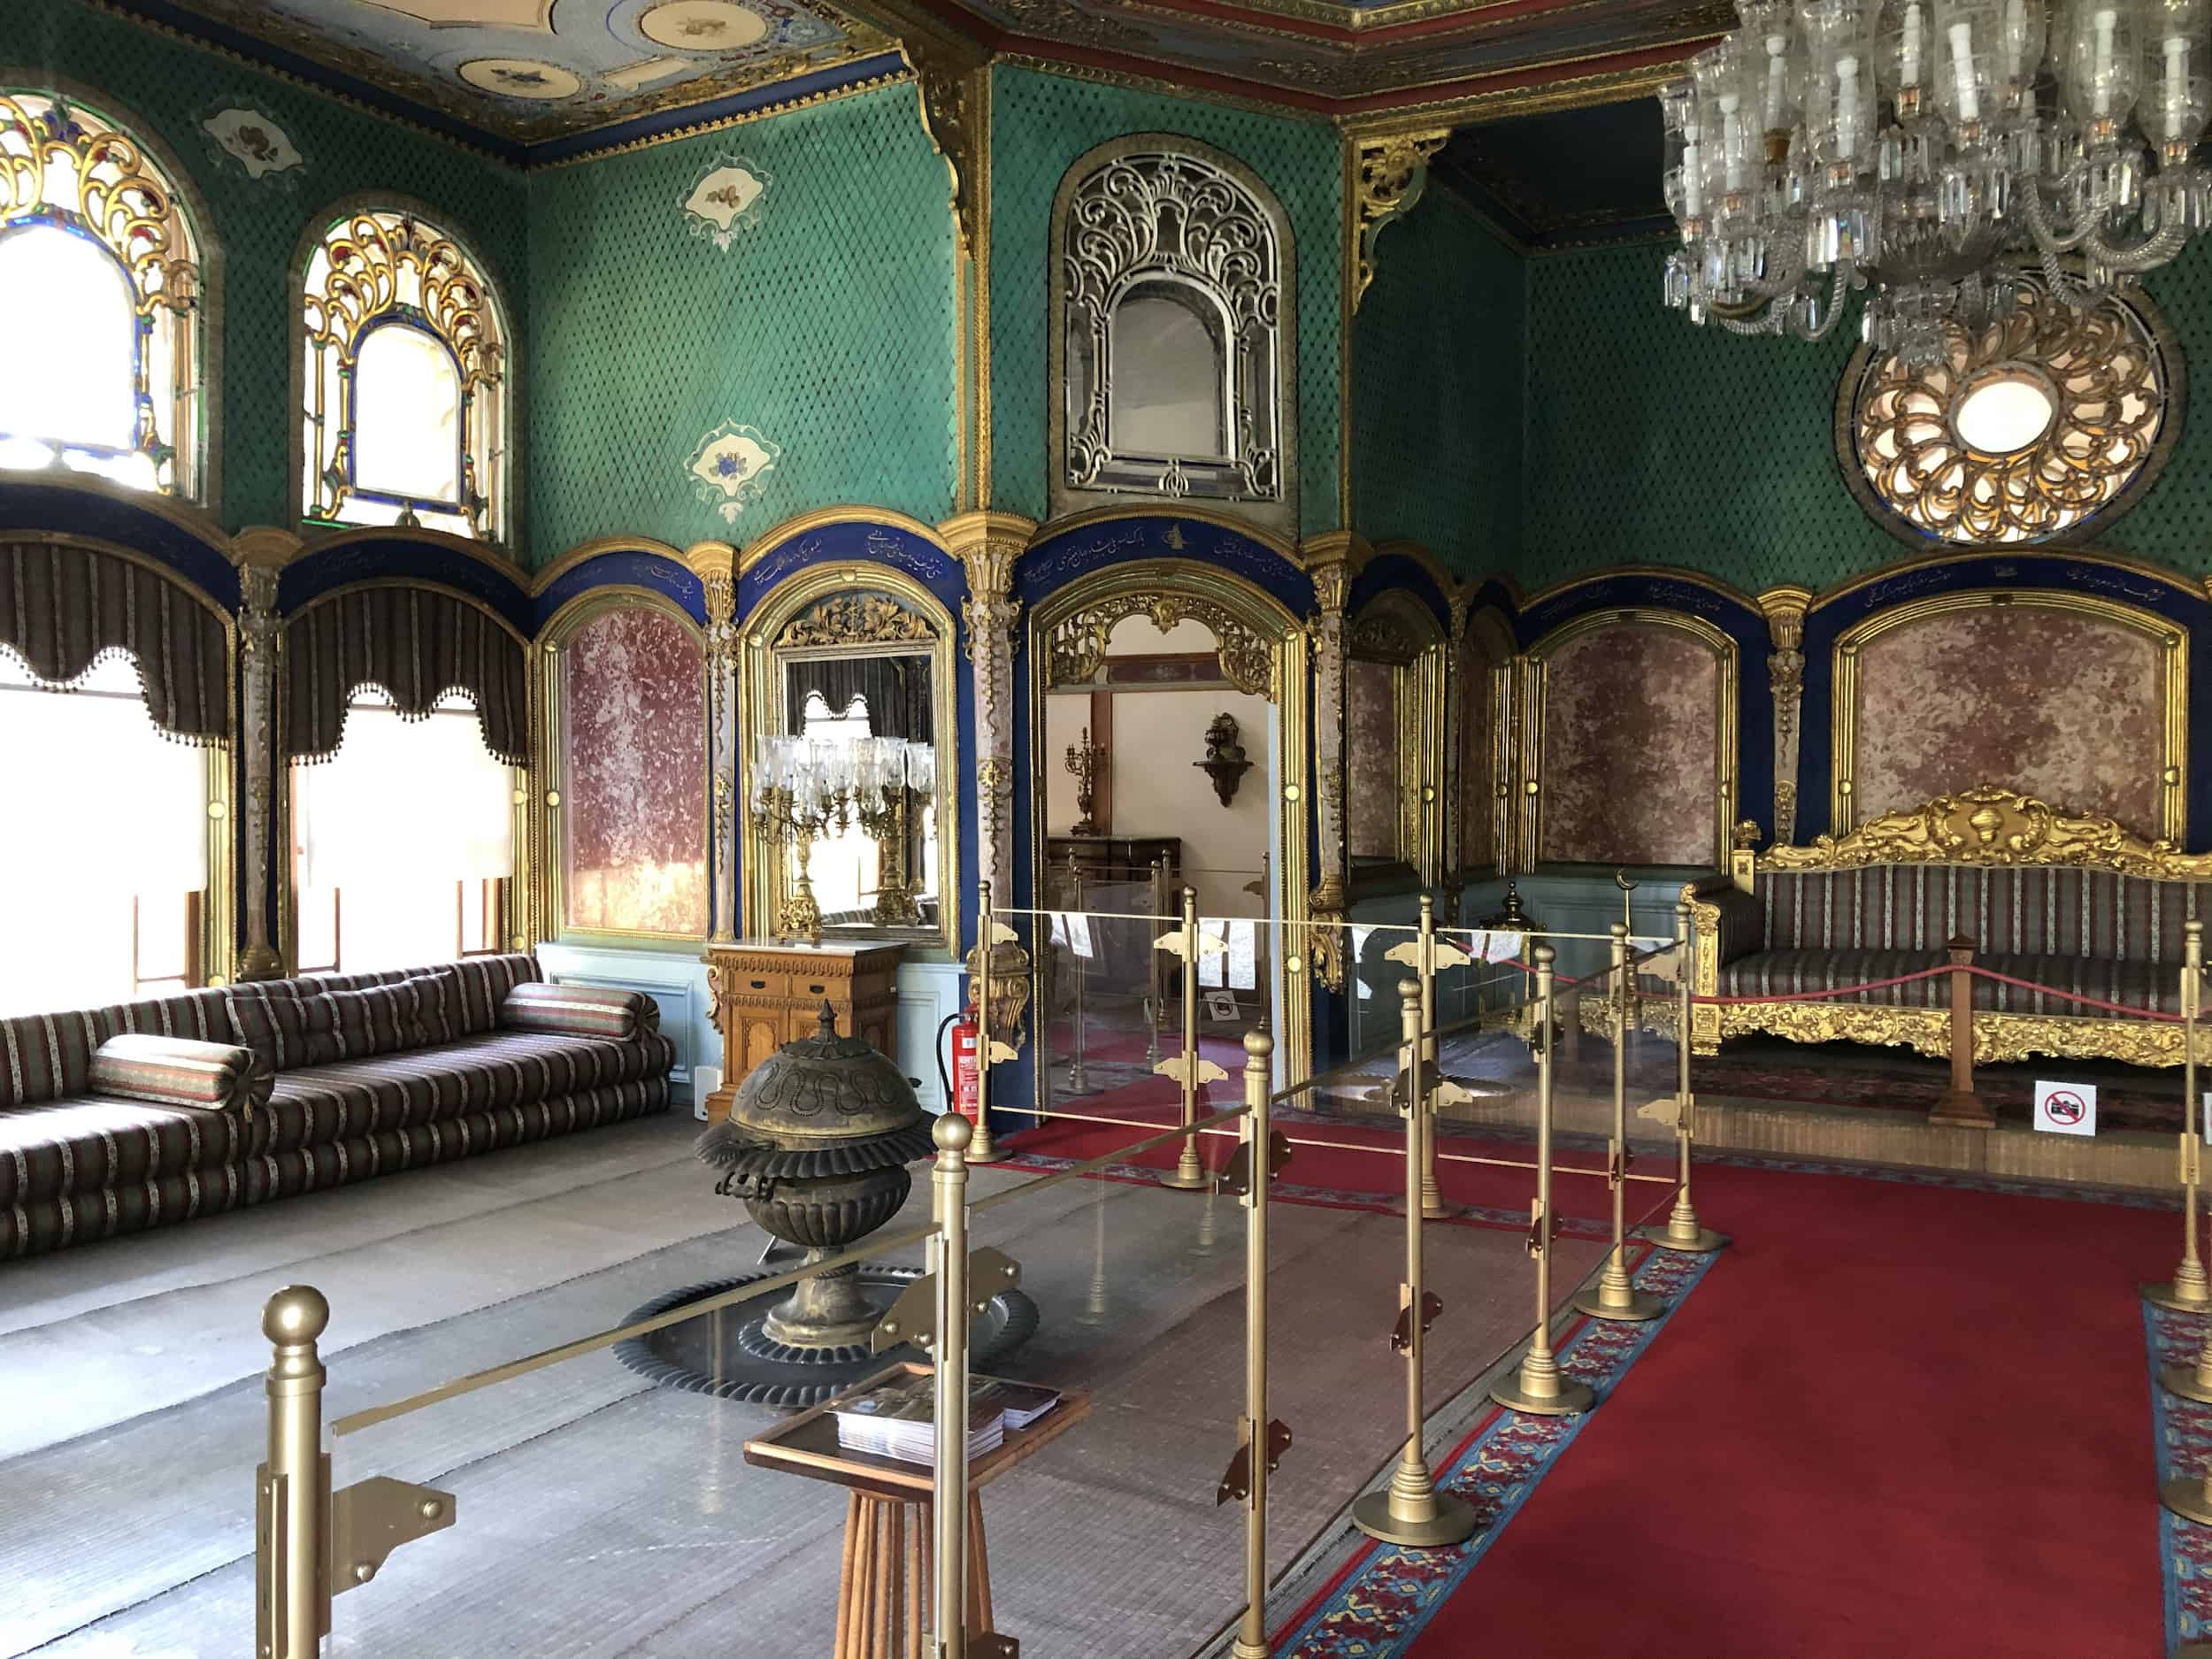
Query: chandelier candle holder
x=800 y=790
x=1921 y=151
x=1085 y=761
x=894 y=782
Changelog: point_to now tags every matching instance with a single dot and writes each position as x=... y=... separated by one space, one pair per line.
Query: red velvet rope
x=1903 y=978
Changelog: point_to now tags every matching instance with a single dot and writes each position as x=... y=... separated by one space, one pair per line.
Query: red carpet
x=1895 y=1419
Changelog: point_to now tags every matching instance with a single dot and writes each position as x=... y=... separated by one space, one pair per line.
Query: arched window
x=405 y=402
x=100 y=269
x=1172 y=343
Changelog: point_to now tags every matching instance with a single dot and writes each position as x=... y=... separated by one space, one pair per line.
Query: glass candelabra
x=804 y=789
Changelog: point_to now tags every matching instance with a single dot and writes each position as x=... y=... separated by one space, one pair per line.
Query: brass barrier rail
x=313 y=1544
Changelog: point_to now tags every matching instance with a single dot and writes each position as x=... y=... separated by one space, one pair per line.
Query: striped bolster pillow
x=178 y=1072
x=579 y=1011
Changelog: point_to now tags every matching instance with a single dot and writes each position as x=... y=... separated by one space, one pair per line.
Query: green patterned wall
x=1041 y=123
x=169 y=84
x=1437 y=384
x=828 y=326
x=1651 y=440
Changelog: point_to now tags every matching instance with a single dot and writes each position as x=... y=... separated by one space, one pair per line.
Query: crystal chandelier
x=1919 y=148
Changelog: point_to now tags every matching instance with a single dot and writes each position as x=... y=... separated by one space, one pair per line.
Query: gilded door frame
x=763 y=881
x=1491 y=628
x=1727 y=763
x=1129 y=589
x=2173 y=639
x=549 y=732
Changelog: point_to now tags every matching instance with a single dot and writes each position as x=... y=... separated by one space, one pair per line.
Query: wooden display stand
x=884 y=1586
x=767 y=994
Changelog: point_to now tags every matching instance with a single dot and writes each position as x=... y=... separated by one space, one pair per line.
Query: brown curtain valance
x=62 y=605
x=418 y=644
x=895 y=690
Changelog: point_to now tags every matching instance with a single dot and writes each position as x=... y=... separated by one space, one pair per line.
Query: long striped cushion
x=581 y=1010
x=178 y=1072
x=286 y=1028
x=379 y=1018
x=2035 y=912
x=45 y=1057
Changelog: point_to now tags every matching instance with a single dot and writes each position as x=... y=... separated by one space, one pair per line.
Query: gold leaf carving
x=1992 y=825
x=855 y=619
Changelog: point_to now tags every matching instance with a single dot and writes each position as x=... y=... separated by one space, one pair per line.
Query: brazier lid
x=825 y=1087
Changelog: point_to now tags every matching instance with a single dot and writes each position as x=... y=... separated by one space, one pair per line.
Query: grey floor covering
x=602 y=1517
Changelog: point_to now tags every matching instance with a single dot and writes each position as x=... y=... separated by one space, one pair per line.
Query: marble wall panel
x=1371 y=760
x=1476 y=719
x=634 y=775
x=2055 y=703
x=1631 y=748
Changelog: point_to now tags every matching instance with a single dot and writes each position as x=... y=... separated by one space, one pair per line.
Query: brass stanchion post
x=983 y=1149
x=1432 y=1204
x=1682 y=1231
x=1538 y=1386
x=948 y=1487
x=1189 y=1174
x=1615 y=1296
x=2188 y=1290
x=1261 y=1447
x=292 y=1489
x=1410 y=1511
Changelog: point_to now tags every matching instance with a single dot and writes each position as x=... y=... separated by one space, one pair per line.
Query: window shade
x=405 y=802
x=62 y=604
x=416 y=643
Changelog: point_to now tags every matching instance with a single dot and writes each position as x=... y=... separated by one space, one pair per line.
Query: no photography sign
x=2066 y=1108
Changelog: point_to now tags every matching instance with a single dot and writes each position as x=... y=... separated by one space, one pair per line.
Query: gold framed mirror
x=851 y=735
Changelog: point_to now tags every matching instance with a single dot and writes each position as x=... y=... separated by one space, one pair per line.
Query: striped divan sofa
x=2069 y=902
x=117 y=1118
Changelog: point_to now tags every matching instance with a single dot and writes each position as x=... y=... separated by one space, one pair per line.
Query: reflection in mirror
x=1171 y=384
x=849 y=785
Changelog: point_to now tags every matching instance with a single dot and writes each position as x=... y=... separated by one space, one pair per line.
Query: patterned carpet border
x=1379 y=1600
x=1332 y=1198
x=2182 y=1435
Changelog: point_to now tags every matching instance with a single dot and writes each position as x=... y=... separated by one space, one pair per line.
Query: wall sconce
x=1224 y=762
x=1086 y=760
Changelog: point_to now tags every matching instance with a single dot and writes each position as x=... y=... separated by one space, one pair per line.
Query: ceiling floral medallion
x=702 y=26
x=521 y=78
x=724 y=200
x=729 y=467
x=238 y=133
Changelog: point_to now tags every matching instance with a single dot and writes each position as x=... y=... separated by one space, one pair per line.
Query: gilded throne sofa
x=118 y=1118
x=2076 y=902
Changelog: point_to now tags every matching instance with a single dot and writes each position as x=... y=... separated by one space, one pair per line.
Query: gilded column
x=953 y=77
x=1454 y=858
x=715 y=563
x=1785 y=609
x=1330 y=562
x=261 y=553
x=987 y=544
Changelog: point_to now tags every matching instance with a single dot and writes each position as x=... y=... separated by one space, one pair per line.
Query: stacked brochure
x=897 y=1419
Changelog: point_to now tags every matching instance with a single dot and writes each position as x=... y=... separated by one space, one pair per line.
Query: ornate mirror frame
x=1251 y=291
x=549 y=734
x=766 y=878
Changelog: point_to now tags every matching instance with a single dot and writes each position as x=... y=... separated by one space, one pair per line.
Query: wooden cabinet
x=767 y=994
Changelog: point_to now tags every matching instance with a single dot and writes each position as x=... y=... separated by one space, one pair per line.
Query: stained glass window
x=405 y=391
x=96 y=248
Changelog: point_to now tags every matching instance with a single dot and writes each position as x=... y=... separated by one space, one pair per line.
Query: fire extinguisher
x=962 y=1097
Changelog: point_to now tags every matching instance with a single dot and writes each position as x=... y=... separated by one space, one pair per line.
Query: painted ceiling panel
x=529 y=70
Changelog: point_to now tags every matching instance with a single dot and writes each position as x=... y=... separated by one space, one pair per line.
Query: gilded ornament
x=1387 y=177
x=1076 y=644
x=1994 y=825
x=863 y=618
